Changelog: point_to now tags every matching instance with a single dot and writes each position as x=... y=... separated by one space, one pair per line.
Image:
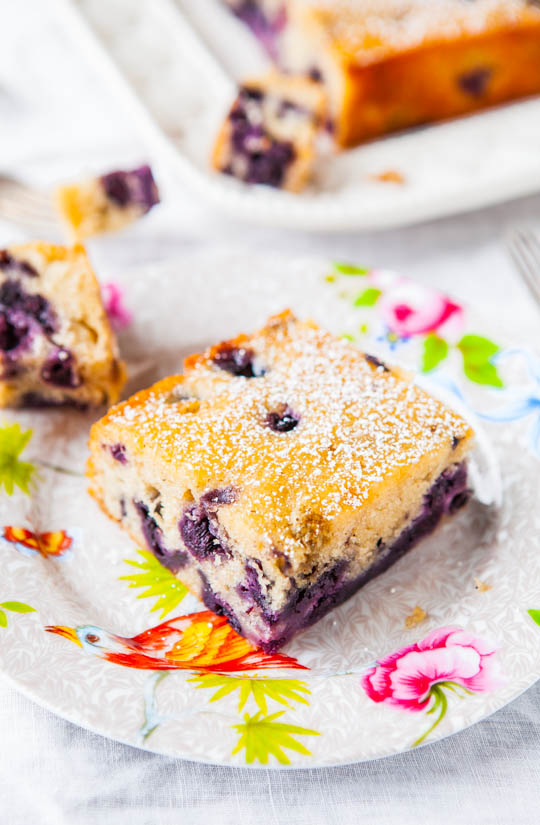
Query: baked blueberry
x=53 y=330
x=282 y=517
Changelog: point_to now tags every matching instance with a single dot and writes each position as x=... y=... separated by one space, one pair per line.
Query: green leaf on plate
x=13 y=471
x=535 y=615
x=477 y=352
x=282 y=691
x=3 y=619
x=347 y=337
x=485 y=374
x=350 y=269
x=18 y=607
x=159 y=582
x=435 y=351
x=263 y=737
x=476 y=349
x=368 y=298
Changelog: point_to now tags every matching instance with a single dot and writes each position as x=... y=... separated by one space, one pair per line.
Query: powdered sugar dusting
x=370 y=29
x=359 y=426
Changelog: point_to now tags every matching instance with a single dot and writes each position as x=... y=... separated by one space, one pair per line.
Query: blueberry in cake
x=387 y=65
x=56 y=344
x=265 y=18
x=269 y=136
x=107 y=203
x=280 y=473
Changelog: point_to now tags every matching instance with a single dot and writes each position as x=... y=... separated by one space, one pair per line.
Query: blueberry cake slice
x=56 y=343
x=270 y=133
x=107 y=203
x=391 y=64
x=280 y=473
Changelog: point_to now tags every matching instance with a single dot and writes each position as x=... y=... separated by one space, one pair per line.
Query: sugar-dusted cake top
x=298 y=426
x=368 y=30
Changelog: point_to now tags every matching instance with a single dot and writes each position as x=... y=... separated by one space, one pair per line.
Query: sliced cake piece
x=56 y=343
x=107 y=203
x=388 y=65
x=270 y=133
x=280 y=473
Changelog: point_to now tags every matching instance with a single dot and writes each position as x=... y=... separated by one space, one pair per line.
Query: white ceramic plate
x=479 y=574
x=157 y=58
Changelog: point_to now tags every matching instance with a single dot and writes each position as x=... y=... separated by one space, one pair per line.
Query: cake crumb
x=390 y=176
x=481 y=586
x=417 y=616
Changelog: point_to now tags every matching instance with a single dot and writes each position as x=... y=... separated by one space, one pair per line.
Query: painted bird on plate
x=201 y=642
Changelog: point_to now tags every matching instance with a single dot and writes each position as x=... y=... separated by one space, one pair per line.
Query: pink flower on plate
x=409 y=308
x=113 y=299
x=416 y=677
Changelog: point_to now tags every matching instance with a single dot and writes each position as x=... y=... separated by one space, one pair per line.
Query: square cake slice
x=107 y=203
x=280 y=473
x=56 y=343
x=270 y=134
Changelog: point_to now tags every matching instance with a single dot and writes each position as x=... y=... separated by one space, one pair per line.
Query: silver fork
x=524 y=248
x=27 y=207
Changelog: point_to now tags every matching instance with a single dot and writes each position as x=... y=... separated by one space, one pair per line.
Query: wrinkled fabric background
x=56 y=120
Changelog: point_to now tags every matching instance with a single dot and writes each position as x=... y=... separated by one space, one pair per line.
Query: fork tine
x=25 y=206
x=18 y=210
x=15 y=207
x=17 y=190
x=524 y=249
x=42 y=223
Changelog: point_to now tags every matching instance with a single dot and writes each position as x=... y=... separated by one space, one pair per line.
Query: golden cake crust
x=366 y=31
x=392 y=64
x=364 y=433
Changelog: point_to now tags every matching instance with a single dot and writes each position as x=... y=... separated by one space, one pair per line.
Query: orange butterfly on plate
x=51 y=543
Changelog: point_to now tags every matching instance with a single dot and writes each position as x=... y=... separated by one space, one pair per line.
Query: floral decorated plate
x=447 y=636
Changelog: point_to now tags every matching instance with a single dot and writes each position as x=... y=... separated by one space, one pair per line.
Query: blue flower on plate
x=522 y=401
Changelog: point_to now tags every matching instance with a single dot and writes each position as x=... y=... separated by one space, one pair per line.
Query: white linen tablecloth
x=56 y=120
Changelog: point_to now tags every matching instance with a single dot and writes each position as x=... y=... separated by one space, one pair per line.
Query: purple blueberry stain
x=218 y=605
x=260 y=158
x=283 y=561
x=307 y=604
x=475 y=82
x=238 y=361
x=118 y=452
x=136 y=187
x=200 y=529
x=8 y=262
x=37 y=401
x=250 y=588
x=14 y=330
x=266 y=28
x=14 y=298
x=60 y=369
x=376 y=362
x=21 y=315
x=153 y=535
x=287 y=106
x=283 y=421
